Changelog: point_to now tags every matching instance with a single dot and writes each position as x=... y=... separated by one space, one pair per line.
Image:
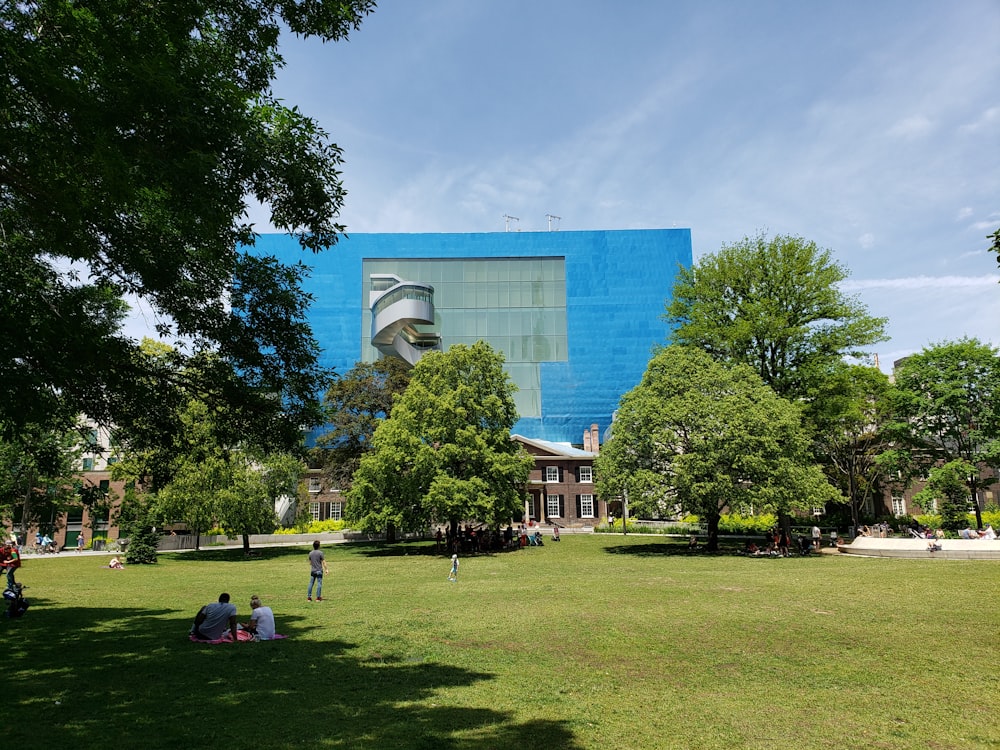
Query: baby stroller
x=17 y=605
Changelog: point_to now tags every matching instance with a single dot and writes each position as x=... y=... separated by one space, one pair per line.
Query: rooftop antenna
x=507 y=219
x=550 y=217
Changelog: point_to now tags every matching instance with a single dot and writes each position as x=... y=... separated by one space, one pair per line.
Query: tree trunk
x=246 y=544
x=712 y=545
x=975 y=504
x=390 y=533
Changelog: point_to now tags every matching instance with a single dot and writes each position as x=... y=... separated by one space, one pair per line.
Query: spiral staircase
x=397 y=307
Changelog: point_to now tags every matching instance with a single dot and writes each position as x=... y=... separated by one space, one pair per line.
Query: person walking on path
x=317 y=567
x=453 y=575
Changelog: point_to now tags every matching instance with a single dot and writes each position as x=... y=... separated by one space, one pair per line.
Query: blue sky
x=871 y=128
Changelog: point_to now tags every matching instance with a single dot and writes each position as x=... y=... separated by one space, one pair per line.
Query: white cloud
x=922 y=282
x=866 y=240
x=964 y=213
x=988 y=120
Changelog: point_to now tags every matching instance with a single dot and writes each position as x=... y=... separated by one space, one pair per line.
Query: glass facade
x=518 y=305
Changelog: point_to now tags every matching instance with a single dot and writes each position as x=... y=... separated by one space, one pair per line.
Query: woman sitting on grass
x=261 y=622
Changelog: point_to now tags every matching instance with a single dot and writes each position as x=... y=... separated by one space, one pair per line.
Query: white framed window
x=586 y=474
x=551 y=473
x=336 y=511
x=553 y=506
x=586 y=506
x=315 y=485
x=898 y=506
x=314 y=511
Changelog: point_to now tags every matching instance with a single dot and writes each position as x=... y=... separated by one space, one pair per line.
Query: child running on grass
x=453 y=575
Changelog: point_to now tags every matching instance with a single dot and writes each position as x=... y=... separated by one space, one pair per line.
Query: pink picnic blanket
x=241 y=635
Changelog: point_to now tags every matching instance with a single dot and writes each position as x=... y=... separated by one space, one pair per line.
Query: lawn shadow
x=661 y=549
x=235 y=554
x=88 y=676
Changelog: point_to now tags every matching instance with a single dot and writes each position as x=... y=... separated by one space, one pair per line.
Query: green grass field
x=595 y=642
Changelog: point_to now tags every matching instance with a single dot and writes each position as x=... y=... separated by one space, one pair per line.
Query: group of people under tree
x=778 y=543
x=480 y=539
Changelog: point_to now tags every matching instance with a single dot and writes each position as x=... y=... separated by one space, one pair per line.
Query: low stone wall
x=187 y=541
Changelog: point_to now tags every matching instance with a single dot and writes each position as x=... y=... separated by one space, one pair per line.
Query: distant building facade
x=575 y=314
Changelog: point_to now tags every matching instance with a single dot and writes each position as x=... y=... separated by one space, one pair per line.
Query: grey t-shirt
x=316 y=562
x=217 y=616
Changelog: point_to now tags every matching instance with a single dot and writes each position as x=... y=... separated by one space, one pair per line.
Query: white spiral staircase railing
x=397 y=306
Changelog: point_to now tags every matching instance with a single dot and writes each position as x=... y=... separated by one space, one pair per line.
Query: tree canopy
x=445 y=453
x=706 y=436
x=354 y=406
x=133 y=137
x=38 y=477
x=848 y=413
x=946 y=405
x=773 y=304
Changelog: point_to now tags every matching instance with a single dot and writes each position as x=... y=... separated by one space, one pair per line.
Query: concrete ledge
x=951 y=549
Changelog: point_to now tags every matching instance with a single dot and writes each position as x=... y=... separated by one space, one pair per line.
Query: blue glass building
x=576 y=314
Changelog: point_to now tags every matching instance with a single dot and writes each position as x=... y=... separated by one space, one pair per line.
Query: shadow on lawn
x=91 y=676
x=369 y=549
x=661 y=549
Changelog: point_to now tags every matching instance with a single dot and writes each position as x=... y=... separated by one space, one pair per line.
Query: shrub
x=734 y=523
x=314 y=527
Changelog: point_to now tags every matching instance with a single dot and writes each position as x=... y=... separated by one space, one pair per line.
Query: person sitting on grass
x=116 y=564
x=213 y=619
x=261 y=622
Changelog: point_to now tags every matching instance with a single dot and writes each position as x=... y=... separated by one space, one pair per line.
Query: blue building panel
x=617 y=283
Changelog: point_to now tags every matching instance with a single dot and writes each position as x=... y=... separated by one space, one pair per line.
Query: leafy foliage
x=133 y=136
x=354 y=406
x=137 y=521
x=38 y=477
x=946 y=405
x=706 y=437
x=773 y=304
x=848 y=413
x=948 y=485
x=445 y=453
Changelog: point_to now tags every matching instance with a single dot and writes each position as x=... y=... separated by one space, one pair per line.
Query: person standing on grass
x=11 y=562
x=317 y=567
x=81 y=542
x=453 y=575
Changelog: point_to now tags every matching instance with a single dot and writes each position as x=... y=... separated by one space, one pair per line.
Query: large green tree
x=775 y=304
x=848 y=414
x=354 y=406
x=39 y=476
x=134 y=135
x=209 y=482
x=946 y=486
x=946 y=405
x=707 y=436
x=445 y=453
